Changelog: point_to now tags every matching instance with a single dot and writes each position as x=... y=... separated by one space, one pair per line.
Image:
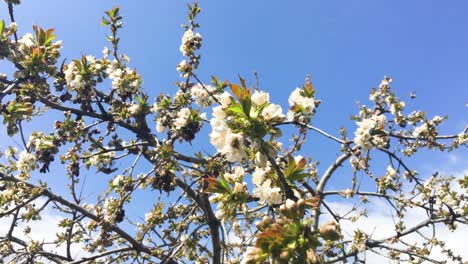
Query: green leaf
x=2 y=27
x=236 y=109
x=41 y=37
x=299 y=176
x=246 y=105
x=49 y=36
x=6 y=118
x=140 y=100
x=291 y=166
x=215 y=186
x=104 y=21
x=224 y=183
x=374 y=132
x=113 y=12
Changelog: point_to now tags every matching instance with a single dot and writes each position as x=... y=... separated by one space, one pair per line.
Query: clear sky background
x=347 y=47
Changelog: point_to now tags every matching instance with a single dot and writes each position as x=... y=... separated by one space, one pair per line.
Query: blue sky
x=347 y=47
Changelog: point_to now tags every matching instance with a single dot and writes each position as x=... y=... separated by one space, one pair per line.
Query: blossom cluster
x=78 y=74
x=387 y=181
x=123 y=78
x=25 y=164
x=226 y=141
x=232 y=124
x=371 y=132
x=302 y=103
x=202 y=94
x=231 y=201
x=385 y=98
x=185 y=122
x=447 y=199
x=36 y=53
x=190 y=42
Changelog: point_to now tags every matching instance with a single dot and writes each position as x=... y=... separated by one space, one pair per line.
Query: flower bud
x=283 y=209
x=290 y=205
x=260 y=159
x=253 y=256
x=12 y=28
x=267 y=220
x=312 y=258
x=284 y=255
x=330 y=231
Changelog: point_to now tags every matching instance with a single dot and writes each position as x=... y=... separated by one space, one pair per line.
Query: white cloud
x=453 y=159
x=43 y=230
x=380 y=223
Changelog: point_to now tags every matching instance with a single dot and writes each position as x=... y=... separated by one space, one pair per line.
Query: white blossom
x=385 y=83
x=220 y=214
x=104 y=158
x=220 y=130
x=160 y=127
x=218 y=112
x=26 y=162
x=268 y=195
x=240 y=187
x=261 y=159
x=125 y=58
x=27 y=41
x=234 y=148
x=73 y=77
x=258 y=176
x=188 y=34
x=148 y=217
x=273 y=112
x=182 y=118
x=133 y=109
x=236 y=175
x=37 y=140
x=118 y=180
x=105 y=52
x=437 y=119
x=154 y=108
x=10 y=151
x=226 y=142
x=225 y=99
x=190 y=41
x=260 y=97
x=13 y=27
x=307 y=103
x=215 y=198
x=201 y=96
x=363 y=137
x=391 y=172
x=184 y=68
x=421 y=130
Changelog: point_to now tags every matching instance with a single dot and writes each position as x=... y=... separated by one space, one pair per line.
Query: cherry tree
x=258 y=197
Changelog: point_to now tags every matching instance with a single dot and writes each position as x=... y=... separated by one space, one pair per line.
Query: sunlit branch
x=325 y=178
